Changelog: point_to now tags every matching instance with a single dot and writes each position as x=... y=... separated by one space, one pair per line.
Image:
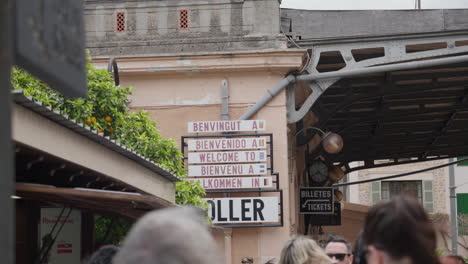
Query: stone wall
x=124 y=28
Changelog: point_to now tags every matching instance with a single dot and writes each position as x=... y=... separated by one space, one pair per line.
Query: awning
x=398 y=117
x=131 y=205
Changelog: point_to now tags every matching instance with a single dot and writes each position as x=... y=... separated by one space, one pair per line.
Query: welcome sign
x=227 y=144
x=226 y=126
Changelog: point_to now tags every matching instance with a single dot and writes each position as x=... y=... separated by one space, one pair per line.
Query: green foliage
x=110 y=230
x=106 y=110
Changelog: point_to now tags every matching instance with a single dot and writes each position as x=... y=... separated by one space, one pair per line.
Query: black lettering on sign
x=258 y=206
x=231 y=211
x=245 y=209
x=220 y=218
x=213 y=209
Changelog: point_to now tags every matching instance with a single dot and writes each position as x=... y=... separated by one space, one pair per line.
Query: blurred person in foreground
x=339 y=249
x=303 y=250
x=176 y=235
x=398 y=231
x=452 y=259
x=103 y=255
x=360 y=250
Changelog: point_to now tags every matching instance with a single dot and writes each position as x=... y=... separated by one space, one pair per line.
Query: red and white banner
x=227 y=144
x=226 y=126
x=227 y=157
x=243 y=210
x=227 y=170
x=236 y=183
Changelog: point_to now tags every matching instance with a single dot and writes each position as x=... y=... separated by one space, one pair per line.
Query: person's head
x=452 y=259
x=303 y=250
x=175 y=235
x=340 y=249
x=399 y=231
x=103 y=255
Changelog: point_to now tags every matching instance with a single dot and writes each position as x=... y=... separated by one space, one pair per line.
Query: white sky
x=371 y=4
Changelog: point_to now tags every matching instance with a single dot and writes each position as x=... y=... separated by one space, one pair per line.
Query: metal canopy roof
x=403 y=116
x=393 y=117
x=388 y=116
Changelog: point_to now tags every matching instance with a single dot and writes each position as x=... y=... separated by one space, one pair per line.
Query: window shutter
x=462 y=213
x=375 y=192
x=428 y=201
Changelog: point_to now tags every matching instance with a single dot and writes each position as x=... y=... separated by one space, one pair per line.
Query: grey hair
x=303 y=250
x=175 y=235
x=103 y=255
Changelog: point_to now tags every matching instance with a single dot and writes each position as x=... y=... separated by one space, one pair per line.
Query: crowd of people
x=396 y=231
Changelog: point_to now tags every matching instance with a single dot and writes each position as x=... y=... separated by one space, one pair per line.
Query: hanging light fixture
x=331 y=142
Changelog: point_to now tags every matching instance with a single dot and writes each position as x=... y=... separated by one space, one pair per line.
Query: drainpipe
x=348 y=73
x=227 y=245
x=453 y=209
x=225 y=116
x=270 y=94
x=224 y=100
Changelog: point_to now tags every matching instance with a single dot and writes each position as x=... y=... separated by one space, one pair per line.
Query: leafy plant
x=106 y=110
x=110 y=230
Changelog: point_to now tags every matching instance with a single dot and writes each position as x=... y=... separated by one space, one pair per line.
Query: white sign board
x=227 y=157
x=243 y=210
x=67 y=246
x=226 y=144
x=227 y=170
x=236 y=183
x=226 y=126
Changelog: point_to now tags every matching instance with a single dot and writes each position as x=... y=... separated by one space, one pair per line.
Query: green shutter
x=464 y=163
x=462 y=213
x=428 y=200
x=462 y=203
x=375 y=192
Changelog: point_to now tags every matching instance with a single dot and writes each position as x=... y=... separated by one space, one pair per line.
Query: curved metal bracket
x=112 y=67
x=395 y=51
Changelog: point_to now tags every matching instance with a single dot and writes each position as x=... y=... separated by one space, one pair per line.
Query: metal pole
x=453 y=209
x=224 y=100
x=7 y=224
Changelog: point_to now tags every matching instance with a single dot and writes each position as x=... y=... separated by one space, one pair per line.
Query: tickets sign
x=226 y=126
x=243 y=210
x=227 y=157
x=227 y=170
x=236 y=183
x=227 y=144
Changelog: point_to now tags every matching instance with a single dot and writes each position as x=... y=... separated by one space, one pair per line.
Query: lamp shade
x=332 y=143
x=338 y=196
x=335 y=173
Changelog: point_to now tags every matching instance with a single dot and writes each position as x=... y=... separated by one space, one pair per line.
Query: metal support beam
x=443 y=130
x=453 y=209
x=395 y=52
x=400 y=175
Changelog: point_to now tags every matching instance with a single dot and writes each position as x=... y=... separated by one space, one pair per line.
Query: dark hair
x=360 y=250
x=401 y=228
x=103 y=255
x=338 y=239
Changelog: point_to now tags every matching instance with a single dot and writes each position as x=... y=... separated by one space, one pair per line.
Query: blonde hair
x=303 y=250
